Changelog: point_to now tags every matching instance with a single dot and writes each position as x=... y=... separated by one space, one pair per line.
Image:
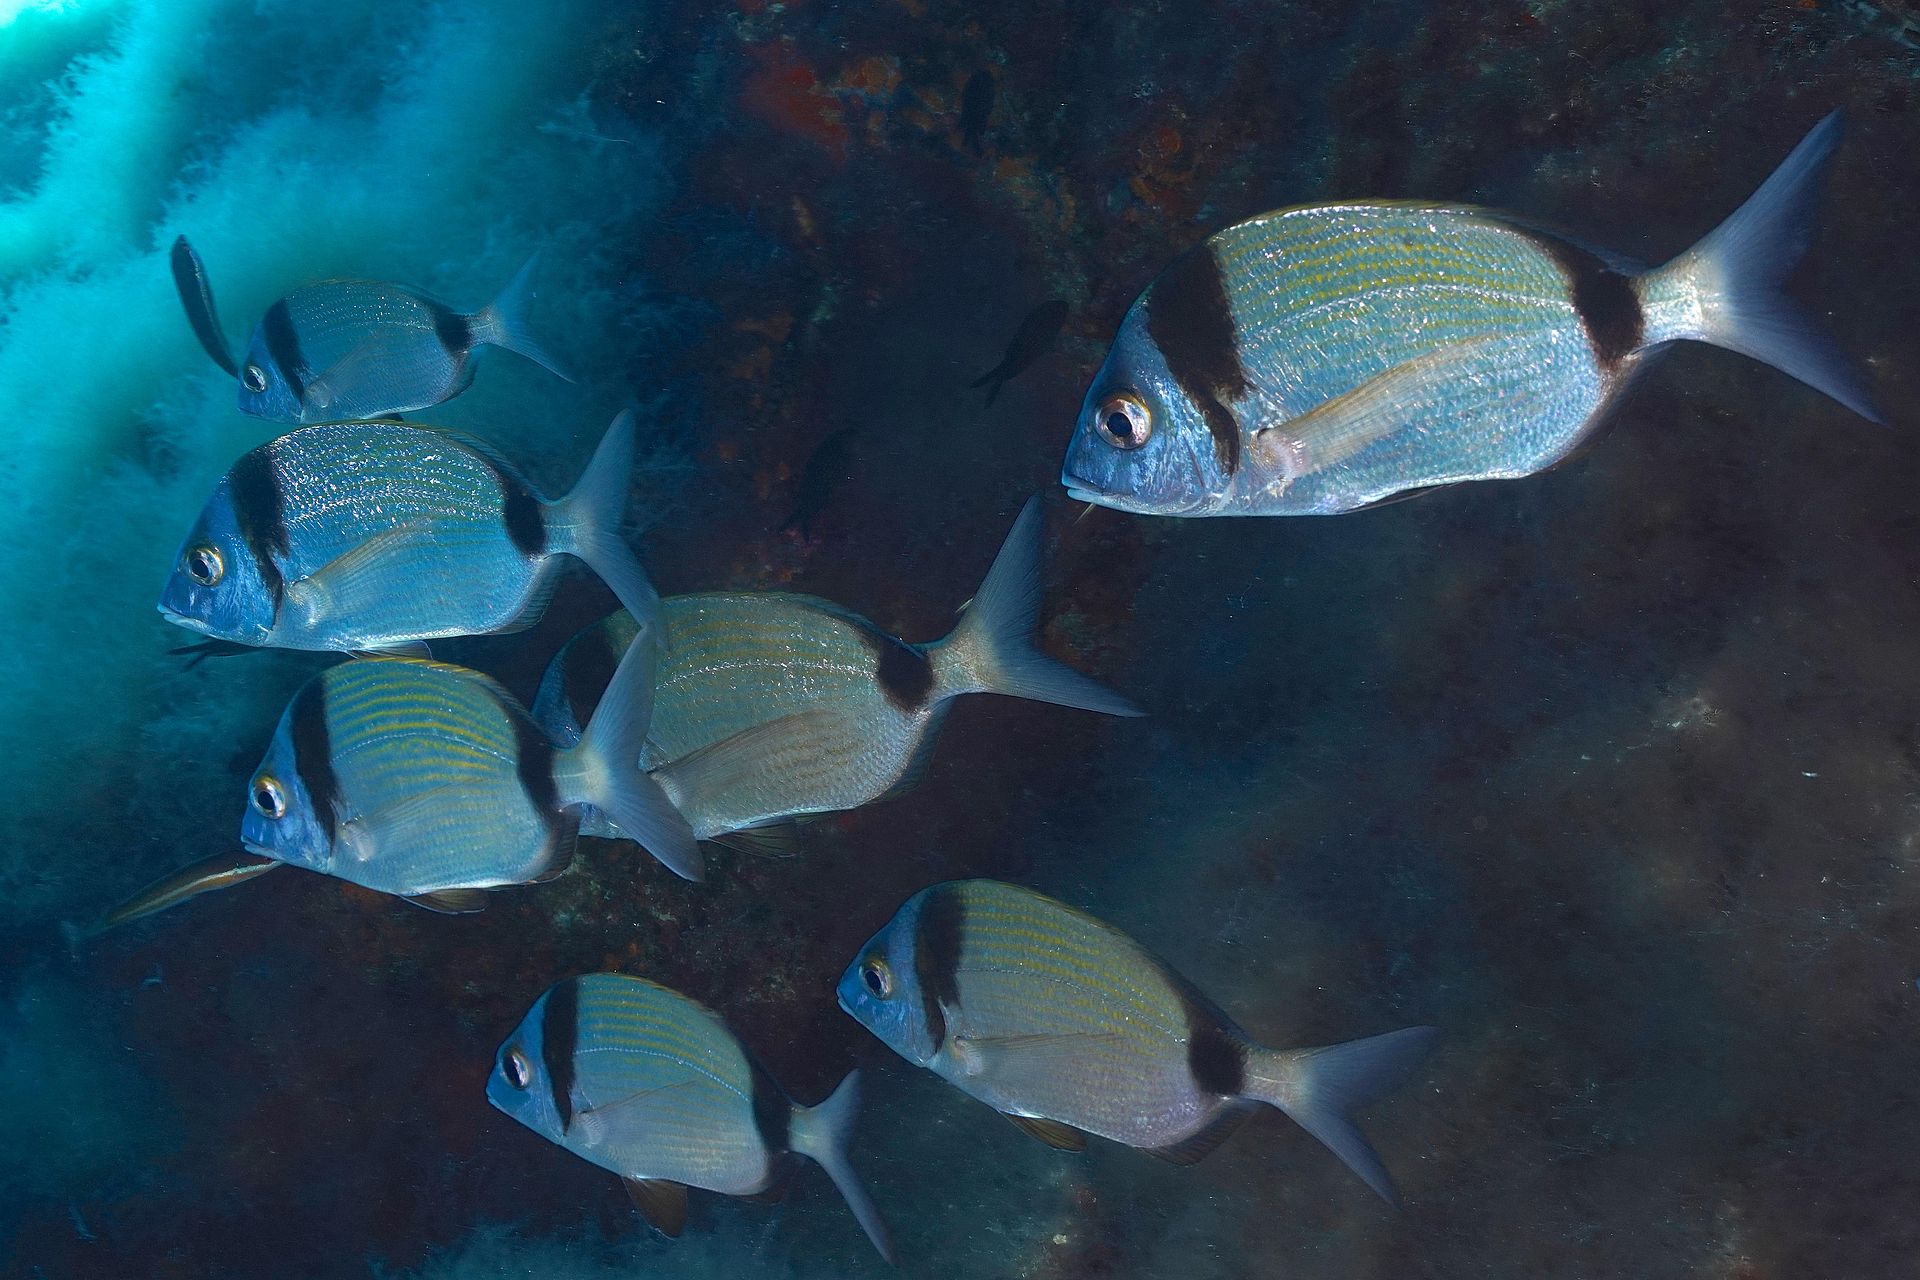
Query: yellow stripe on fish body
x=420 y=777
x=1324 y=358
x=1069 y=1026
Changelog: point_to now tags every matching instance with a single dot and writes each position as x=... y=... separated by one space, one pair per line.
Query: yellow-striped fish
x=1324 y=358
x=1068 y=1027
x=430 y=782
x=771 y=705
x=644 y=1082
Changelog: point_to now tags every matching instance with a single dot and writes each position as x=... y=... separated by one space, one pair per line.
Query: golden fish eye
x=877 y=977
x=206 y=566
x=1123 y=421
x=254 y=378
x=519 y=1070
x=268 y=797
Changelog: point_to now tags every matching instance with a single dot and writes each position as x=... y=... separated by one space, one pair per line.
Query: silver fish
x=1325 y=358
x=430 y=782
x=644 y=1082
x=771 y=706
x=344 y=349
x=1068 y=1027
x=378 y=535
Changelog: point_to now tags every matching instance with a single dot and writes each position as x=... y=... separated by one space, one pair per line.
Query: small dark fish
x=222 y=871
x=1031 y=340
x=976 y=108
x=825 y=470
x=196 y=295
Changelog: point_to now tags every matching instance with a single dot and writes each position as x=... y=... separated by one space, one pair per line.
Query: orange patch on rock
x=785 y=93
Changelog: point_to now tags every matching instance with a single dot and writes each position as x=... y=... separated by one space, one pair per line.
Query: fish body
x=648 y=1084
x=429 y=782
x=825 y=470
x=976 y=109
x=1030 y=341
x=372 y=535
x=1069 y=1026
x=1325 y=358
x=342 y=349
x=770 y=706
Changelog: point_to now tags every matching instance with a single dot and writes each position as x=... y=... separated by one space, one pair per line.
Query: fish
x=825 y=470
x=976 y=109
x=1327 y=358
x=430 y=782
x=196 y=296
x=356 y=349
x=374 y=536
x=1030 y=341
x=771 y=706
x=1069 y=1027
x=222 y=871
x=653 y=1086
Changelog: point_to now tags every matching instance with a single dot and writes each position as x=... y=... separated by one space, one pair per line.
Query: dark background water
x=1613 y=773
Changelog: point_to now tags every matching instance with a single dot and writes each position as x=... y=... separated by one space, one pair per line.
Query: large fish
x=377 y=535
x=1068 y=1027
x=430 y=782
x=644 y=1082
x=1324 y=358
x=771 y=706
x=341 y=349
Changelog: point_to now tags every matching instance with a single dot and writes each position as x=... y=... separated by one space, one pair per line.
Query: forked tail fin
x=1726 y=290
x=992 y=650
x=822 y=1134
x=1320 y=1088
x=503 y=322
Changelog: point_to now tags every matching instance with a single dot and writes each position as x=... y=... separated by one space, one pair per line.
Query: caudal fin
x=587 y=523
x=604 y=770
x=503 y=322
x=991 y=651
x=1319 y=1088
x=822 y=1134
x=1727 y=289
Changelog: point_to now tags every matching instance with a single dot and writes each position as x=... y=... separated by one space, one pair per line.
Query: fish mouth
x=182 y=620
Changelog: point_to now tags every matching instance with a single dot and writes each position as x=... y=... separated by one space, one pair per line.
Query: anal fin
x=1061 y=1137
x=1196 y=1147
x=777 y=839
x=452 y=902
x=663 y=1204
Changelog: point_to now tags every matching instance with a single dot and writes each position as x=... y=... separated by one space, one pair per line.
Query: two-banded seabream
x=430 y=782
x=1068 y=1027
x=653 y=1086
x=1324 y=358
x=377 y=535
x=771 y=705
x=341 y=349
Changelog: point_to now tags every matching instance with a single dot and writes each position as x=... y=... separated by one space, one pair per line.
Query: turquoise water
x=1608 y=772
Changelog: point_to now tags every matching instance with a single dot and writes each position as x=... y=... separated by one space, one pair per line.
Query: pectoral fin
x=1013 y=1061
x=351 y=583
x=337 y=380
x=661 y=1203
x=1061 y=1137
x=1390 y=401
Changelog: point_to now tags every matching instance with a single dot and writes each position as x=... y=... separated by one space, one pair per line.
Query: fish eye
x=268 y=797
x=254 y=378
x=877 y=977
x=519 y=1070
x=206 y=566
x=1124 y=421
